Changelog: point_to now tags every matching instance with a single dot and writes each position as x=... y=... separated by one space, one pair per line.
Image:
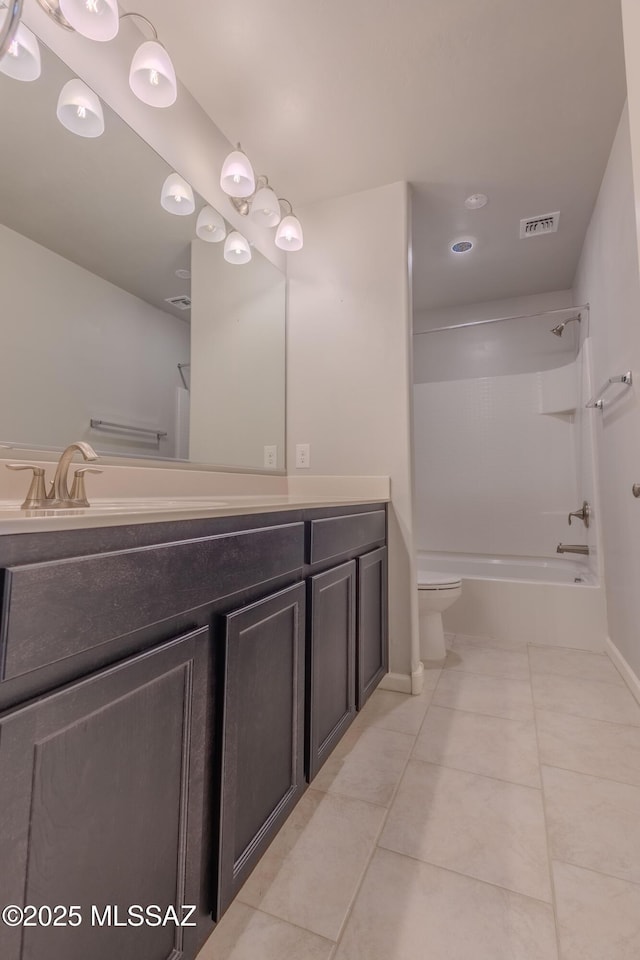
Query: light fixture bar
x=140 y=16
x=10 y=25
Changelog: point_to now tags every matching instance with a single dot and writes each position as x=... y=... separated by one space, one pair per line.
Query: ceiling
x=518 y=99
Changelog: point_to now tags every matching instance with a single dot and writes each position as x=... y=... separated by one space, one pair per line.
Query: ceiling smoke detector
x=539 y=226
x=476 y=201
x=462 y=246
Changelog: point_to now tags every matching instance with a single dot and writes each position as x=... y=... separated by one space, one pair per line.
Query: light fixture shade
x=22 y=59
x=265 y=208
x=177 y=196
x=95 y=19
x=152 y=76
x=236 y=248
x=289 y=234
x=210 y=226
x=80 y=110
x=237 y=178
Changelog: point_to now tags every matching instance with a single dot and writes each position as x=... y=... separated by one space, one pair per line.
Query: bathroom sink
x=10 y=509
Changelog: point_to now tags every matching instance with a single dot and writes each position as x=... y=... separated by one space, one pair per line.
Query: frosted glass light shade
x=265 y=208
x=95 y=19
x=210 y=226
x=177 y=196
x=22 y=59
x=80 y=110
x=289 y=234
x=237 y=178
x=236 y=248
x=152 y=76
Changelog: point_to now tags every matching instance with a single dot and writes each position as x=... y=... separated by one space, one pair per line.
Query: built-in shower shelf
x=559 y=390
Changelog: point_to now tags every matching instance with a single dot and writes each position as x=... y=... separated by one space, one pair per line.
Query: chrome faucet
x=573 y=548
x=58 y=497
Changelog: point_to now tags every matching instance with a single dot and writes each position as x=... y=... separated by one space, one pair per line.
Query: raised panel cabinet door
x=332 y=661
x=373 y=641
x=262 y=775
x=101 y=808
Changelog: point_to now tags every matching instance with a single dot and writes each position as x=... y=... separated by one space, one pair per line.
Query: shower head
x=559 y=330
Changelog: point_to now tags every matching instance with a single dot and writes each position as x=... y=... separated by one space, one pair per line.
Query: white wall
x=608 y=277
x=348 y=367
x=115 y=354
x=237 y=359
x=515 y=346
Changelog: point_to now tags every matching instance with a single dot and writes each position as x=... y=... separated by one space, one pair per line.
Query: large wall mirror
x=118 y=326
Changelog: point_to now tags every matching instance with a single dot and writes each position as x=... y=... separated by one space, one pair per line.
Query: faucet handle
x=78 y=491
x=36 y=495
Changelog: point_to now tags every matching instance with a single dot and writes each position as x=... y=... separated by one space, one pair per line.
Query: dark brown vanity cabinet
x=262 y=751
x=372 y=642
x=101 y=808
x=332 y=661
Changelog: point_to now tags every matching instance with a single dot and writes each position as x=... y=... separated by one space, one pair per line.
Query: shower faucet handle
x=583 y=514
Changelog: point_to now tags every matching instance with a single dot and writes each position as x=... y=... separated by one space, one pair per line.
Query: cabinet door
x=332 y=661
x=101 y=804
x=262 y=775
x=373 y=644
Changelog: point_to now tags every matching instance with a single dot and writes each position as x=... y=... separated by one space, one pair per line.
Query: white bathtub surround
x=469 y=831
x=527 y=601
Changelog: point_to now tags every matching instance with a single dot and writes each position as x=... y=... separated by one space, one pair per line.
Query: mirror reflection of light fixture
x=236 y=248
x=210 y=226
x=177 y=196
x=237 y=178
x=94 y=19
x=289 y=233
x=265 y=207
x=80 y=110
x=22 y=59
x=9 y=23
x=152 y=76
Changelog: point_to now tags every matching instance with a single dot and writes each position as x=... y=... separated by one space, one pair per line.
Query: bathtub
x=552 y=601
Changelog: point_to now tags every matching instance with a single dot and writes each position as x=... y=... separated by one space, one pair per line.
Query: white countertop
x=111 y=513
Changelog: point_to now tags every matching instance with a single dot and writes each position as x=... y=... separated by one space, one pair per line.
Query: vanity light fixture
x=22 y=59
x=236 y=248
x=177 y=196
x=265 y=206
x=210 y=226
x=237 y=178
x=289 y=233
x=80 y=110
x=94 y=19
x=152 y=76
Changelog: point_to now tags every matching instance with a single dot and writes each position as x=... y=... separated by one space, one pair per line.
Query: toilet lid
x=428 y=578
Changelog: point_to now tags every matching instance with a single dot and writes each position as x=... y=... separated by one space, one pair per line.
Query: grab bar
x=158 y=434
x=625 y=378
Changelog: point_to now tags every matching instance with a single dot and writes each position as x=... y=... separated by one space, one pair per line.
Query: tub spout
x=573 y=548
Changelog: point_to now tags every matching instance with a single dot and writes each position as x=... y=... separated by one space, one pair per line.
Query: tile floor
x=494 y=817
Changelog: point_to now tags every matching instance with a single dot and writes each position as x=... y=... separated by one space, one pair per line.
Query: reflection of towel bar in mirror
x=625 y=378
x=181 y=367
x=110 y=425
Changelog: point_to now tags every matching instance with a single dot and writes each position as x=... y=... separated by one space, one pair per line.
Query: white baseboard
x=627 y=674
x=399 y=682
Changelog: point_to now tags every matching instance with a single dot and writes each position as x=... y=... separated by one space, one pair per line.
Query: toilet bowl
x=436 y=593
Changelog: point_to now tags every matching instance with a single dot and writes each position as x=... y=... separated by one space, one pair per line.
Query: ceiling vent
x=537 y=226
x=182 y=303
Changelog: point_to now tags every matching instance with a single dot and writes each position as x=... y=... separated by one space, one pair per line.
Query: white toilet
x=436 y=593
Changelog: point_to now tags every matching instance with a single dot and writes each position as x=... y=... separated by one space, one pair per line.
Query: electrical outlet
x=270 y=456
x=303 y=456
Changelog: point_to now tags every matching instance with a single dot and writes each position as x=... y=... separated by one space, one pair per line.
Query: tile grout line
x=474 y=773
x=554 y=904
x=598 y=873
x=375 y=845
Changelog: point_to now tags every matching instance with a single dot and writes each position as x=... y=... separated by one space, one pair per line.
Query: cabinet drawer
x=59 y=609
x=337 y=536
